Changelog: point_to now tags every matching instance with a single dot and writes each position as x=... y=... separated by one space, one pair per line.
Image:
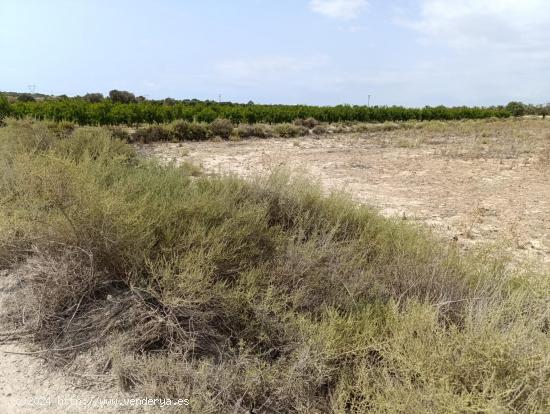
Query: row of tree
x=123 y=107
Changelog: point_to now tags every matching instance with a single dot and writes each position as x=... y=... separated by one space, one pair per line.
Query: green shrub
x=190 y=131
x=198 y=132
x=4 y=108
x=222 y=128
x=180 y=130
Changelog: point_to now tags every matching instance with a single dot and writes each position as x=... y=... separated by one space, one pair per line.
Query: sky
x=320 y=52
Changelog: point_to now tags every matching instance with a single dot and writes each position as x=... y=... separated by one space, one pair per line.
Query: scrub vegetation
x=257 y=295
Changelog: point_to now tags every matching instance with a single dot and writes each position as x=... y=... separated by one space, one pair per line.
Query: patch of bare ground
x=480 y=183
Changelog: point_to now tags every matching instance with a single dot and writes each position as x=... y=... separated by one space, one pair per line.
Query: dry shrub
x=320 y=130
x=72 y=315
x=290 y=131
x=381 y=127
x=254 y=131
x=544 y=155
x=62 y=129
x=94 y=143
x=120 y=133
x=152 y=133
x=26 y=135
x=241 y=382
x=222 y=128
x=309 y=123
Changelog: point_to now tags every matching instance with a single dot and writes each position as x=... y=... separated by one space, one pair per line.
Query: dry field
x=480 y=183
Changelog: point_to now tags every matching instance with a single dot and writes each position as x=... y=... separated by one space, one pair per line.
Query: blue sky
x=413 y=53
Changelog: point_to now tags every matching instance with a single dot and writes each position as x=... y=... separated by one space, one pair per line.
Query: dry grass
x=488 y=139
x=262 y=295
x=544 y=155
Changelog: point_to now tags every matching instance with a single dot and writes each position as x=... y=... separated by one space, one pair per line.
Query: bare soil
x=478 y=183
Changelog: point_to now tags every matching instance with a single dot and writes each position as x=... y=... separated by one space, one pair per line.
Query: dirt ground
x=479 y=183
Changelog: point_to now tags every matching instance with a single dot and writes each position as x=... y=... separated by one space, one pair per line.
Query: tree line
x=124 y=108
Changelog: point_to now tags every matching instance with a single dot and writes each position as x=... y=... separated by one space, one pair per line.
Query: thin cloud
x=269 y=66
x=489 y=51
x=507 y=24
x=339 y=9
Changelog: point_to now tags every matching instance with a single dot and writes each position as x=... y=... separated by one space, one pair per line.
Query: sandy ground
x=477 y=192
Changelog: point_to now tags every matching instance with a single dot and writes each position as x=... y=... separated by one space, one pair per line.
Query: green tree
x=5 y=109
x=26 y=97
x=93 y=97
x=122 y=96
x=516 y=108
x=544 y=110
